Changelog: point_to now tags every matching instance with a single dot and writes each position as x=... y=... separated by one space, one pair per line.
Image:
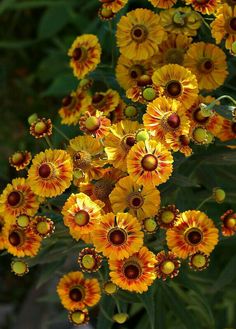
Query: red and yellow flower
x=167 y=265
x=114 y=5
x=164 y=4
x=104 y=102
x=2 y=241
x=20 y=159
x=206 y=7
x=228 y=226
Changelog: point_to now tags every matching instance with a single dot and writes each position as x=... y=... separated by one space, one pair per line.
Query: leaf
x=225 y=111
x=53 y=20
x=183 y=181
x=127 y=297
x=227 y=275
x=48 y=271
x=107 y=307
x=147 y=299
x=6 y=4
x=61 y=86
x=15 y=44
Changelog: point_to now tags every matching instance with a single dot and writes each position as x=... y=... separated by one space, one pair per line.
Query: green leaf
x=107 y=307
x=48 y=271
x=148 y=301
x=6 y=4
x=53 y=20
x=183 y=181
x=61 y=86
x=227 y=275
x=15 y=44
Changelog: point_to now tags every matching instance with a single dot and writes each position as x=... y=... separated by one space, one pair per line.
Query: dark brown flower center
x=67 y=101
x=173 y=121
x=232 y=24
x=206 y=65
x=15 y=238
x=234 y=127
x=139 y=33
x=136 y=71
x=184 y=140
x=135 y=200
x=132 y=271
x=149 y=162
x=79 y=54
x=130 y=141
x=174 y=89
x=76 y=294
x=117 y=236
x=97 y=98
x=193 y=236
x=14 y=198
x=45 y=170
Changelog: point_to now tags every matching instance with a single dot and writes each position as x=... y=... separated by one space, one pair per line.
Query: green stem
x=105 y=313
x=61 y=132
x=48 y=142
x=117 y=305
x=210 y=106
x=203 y=202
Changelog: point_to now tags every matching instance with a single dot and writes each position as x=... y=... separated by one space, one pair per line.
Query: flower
x=2 y=242
x=181 y=20
x=179 y=143
x=114 y=5
x=41 y=128
x=206 y=7
x=139 y=201
x=85 y=54
x=76 y=292
x=199 y=261
x=119 y=141
x=80 y=214
x=149 y=163
x=96 y=125
x=79 y=317
x=177 y=82
x=193 y=232
x=167 y=265
x=167 y=216
x=228 y=226
x=208 y=63
x=117 y=236
x=89 y=260
x=128 y=71
x=18 y=198
x=50 y=173
x=172 y=50
x=227 y=130
x=135 y=273
x=163 y=3
x=166 y=116
x=105 y=102
x=224 y=25
x=20 y=159
x=43 y=226
x=139 y=33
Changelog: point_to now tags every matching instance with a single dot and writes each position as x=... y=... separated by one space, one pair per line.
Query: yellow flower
x=2 y=241
x=167 y=265
x=50 y=173
x=228 y=226
x=117 y=236
x=18 y=198
x=139 y=33
x=166 y=116
x=105 y=102
x=149 y=163
x=76 y=292
x=80 y=214
x=119 y=141
x=193 y=232
x=114 y=5
x=163 y=3
x=206 y=7
x=139 y=201
x=20 y=159
x=179 y=143
x=208 y=63
x=96 y=125
x=177 y=82
x=135 y=273
x=85 y=54
x=128 y=71
x=172 y=50
x=227 y=130
x=224 y=26
x=181 y=20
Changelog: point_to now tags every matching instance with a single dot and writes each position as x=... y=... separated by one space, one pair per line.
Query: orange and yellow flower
x=139 y=33
x=139 y=201
x=76 y=292
x=228 y=226
x=167 y=265
x=227 y=130
x=206 y=7
x=96 y=125
x=149 y=163
x=2 y=241
x=117 y=236
x=179 y=143
x=193 y=232
x=114 y=5
x=164 y=4
x=18 y=198
x=105 y=102
x=135 y=273
x=85 y=54
x=50 y=173
x=20 y=159
x=177 y=82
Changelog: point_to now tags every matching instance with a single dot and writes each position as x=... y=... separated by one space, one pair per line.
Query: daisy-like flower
x=2 y=242
x=89 y=260
x=193 y=232
x=139 y=201
x=199 y=261
x=181 y=20
x=79 y=317
x=113 y=5
x=208 y=63
x=224 y=25
x=86 y=153
x=227 y=130
x=101 y=188
x=177 y=82
x=228 y=226
x=96 y=125
x=80 y=214
x=21 y=242
x=41 y=128
x=167 y=216
x=144 y=91
x=119 y=141
x=165 y=4
x=206 y=7
x=20 y=159
x=135 y=273
x=85 y=54
x=172 y=50
x=167 y=265
x=139 y=33
x=117 y=236
x=76 y=292
x=73 y=106
x=149 y=163
x=50 y=173
x=166 y=116
x=128 y=71
x=179 y=143
x=42 y=226
x=105 y=102
x=18 y=198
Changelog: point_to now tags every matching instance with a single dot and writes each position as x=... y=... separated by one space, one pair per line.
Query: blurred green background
x=34 y=76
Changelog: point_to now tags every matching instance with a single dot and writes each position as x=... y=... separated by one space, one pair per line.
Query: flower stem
x=48 y=142
x=204 y=201
x=61 y=132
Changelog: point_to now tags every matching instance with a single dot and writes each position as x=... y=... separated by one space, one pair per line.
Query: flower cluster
x=110 y=174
